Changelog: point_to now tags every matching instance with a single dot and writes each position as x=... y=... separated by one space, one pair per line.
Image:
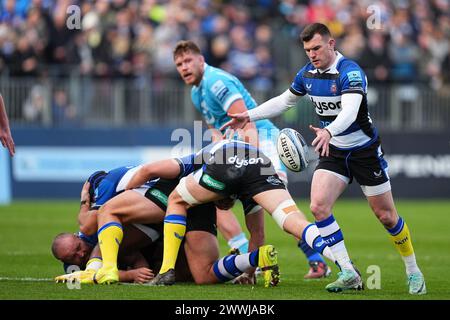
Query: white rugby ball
x=292 y=150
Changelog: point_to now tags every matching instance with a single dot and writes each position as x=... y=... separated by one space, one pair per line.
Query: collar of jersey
x=333 y=67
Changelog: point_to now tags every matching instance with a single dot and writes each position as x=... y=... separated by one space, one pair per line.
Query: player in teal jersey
x=215 y=93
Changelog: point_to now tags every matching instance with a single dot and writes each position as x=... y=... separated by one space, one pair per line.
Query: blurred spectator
x=404 y=55
x=128 y=38
x=375 y=58
x=63 y=113
x=264 y=80
x=33 y=108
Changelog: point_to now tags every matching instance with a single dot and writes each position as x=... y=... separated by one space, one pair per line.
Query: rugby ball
x=292 y=150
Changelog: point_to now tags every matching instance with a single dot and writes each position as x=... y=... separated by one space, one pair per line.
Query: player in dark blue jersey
x=349 y=147
x=116 y=210
x=228 y=168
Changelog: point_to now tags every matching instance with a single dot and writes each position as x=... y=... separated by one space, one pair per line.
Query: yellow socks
x=109 y=238
x=401 y=239
x=174 y=230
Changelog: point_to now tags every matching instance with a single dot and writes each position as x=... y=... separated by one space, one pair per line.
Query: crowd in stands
x=394 y=41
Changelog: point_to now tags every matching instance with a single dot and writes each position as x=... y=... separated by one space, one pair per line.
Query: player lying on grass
x=227 y=168
x=148 y=204
x=79 y=252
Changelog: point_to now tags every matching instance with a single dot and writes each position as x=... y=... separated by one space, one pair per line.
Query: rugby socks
x=311 y=237
x=240 y=242
x=109 y=238
x=401 y=239
x=174 y=230
x=310 y=254
x=232 y=266
x=333 y=237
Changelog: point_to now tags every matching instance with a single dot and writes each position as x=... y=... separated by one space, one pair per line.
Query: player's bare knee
x=387 y=217
x=319 y=210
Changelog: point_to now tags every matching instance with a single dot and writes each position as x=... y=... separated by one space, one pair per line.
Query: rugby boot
x=163 y=279
x=268 y=263
x=106 y=276
x=347 y=280
x=416 y=283
x=317 y=270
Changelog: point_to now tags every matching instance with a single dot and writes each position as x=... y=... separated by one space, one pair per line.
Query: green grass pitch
x=28 y=227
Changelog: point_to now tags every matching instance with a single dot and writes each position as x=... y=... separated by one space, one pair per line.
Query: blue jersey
x=216 y=93
x=113 y=183
x=325 y=90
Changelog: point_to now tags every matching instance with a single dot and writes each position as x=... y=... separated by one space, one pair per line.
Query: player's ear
x=331 y=43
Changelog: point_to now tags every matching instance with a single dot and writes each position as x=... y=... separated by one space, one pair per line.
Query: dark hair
x=312 y=29
x=185 y=46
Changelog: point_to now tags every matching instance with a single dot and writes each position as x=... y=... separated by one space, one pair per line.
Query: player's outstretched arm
x=268 y=109
x=238 y=121
x=5 y=132
x=166 y=169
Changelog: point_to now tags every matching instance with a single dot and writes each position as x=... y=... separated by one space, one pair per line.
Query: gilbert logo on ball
x=292 y=150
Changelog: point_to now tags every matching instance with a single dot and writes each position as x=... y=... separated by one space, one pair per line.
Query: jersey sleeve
x=297 y=86
x=190 y=163
x=352 y=79
x=224 y=91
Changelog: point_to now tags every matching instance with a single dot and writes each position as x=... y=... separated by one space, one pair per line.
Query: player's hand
x=85 y=196
x=238 y=121
x=322 y=141
x=142 y=275
x=245 y=278
x=216 y=136
x=7 y=141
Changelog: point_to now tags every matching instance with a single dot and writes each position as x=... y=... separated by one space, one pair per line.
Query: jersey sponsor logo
x=159 y=195
x=308 y=86
x=213 y=183
x=328 y=106
x=238 y=163
x=220 y=90
x=354 y=78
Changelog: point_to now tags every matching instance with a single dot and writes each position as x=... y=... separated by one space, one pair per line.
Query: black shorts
x=242 y=174
x=199 y=218
x=366 y=165
x=159 y=193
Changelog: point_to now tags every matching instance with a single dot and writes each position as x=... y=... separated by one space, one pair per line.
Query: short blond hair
x=185 y=46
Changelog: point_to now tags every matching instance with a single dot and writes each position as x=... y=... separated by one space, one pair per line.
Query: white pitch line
x=26 y=279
